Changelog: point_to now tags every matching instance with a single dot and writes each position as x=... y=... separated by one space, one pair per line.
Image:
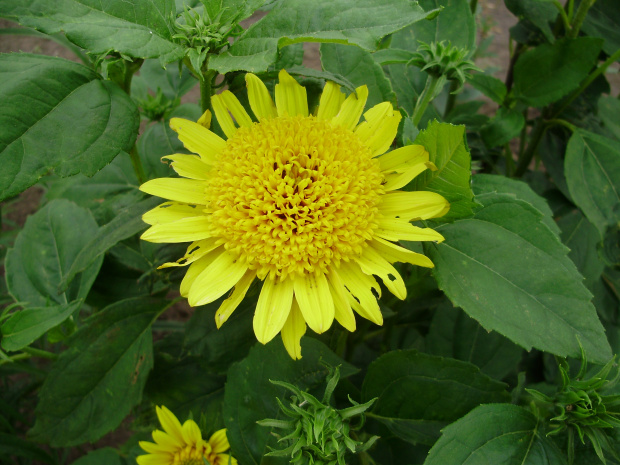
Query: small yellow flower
x=308 y=204
x=183 y=444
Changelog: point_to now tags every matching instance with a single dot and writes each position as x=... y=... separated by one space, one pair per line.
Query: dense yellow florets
x=294 y=195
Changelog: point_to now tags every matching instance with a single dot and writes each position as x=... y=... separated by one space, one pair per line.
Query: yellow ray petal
x=360 y=287
x=223 y=117
x=189 y=229
x=414 y=205
x=196 y=268
x=152 y=448
x=272 y=309
x=198 y=139
x=396 y=229
x=292 y=331
x=168 y=212
x=179 y=189
x=195 y=251
x=400 y=160
x=395 y=181
x=235 y=298
x=225 y=105
x=352 y=109
x=315 y=301
x=342 y=307
x=205 y=119
x=166 y=441
x=191 y=433
x=219 y=442
x=394 y=253
x=260 y=101
x=379 y=129
x=331 y=101
x=170 y=423
x=154 y=459
x=373 y=263
x=217 y=279
x=188 y=166
x=291 y=97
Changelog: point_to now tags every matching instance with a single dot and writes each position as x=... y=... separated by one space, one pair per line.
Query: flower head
x=183 y=444
x=305 y=203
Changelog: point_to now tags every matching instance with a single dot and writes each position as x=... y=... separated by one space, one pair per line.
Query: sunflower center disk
x=294 y=195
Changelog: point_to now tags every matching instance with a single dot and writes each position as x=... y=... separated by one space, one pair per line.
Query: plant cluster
x=212 y=211
x=317 y=432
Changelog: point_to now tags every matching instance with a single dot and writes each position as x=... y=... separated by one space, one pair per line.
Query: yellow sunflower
x=307 y=204
x=183 y=445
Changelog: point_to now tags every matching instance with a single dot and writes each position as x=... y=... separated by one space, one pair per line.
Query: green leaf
x=220 y=347
x=539 y=12
x=503 y=127
x=582 y=238
x=248 y=380
x=58 y=115
x=354 y=22
x=489 y=86
x=592 y=169
x=536 y=72
x=127 y=223
x=455 y=23
x=608 y=110
x=94 y=384
x=329 y=76
x=603 y=21
x=26 y=326
x=359 y=67
x=114 y=179
x=454 y=334
x=134 y=28
x=184 y=386
x=498 y=433
x=488 y=183
x=45 y=250
x=230 y=10
x=509 y=272
x=448 y=151
x=391 y=56
x=418 y=394
x=12 y=446
x=104 y=456
x=173 y=82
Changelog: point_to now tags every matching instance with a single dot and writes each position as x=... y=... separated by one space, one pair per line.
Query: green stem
x=510 y=163
x=206 y=90
x=137 y=165
x=513 y=60
x=561 y=122
x=425 y=98
x=528 y=155
x=451 y=98
x=580 y=16
x=570 y=8
x=131 y=67
x=15 y=358
x=40 y=353
x=29 y=352
x=473 y=4
x=564 y=16
x=593 y=75
x=523 y=135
